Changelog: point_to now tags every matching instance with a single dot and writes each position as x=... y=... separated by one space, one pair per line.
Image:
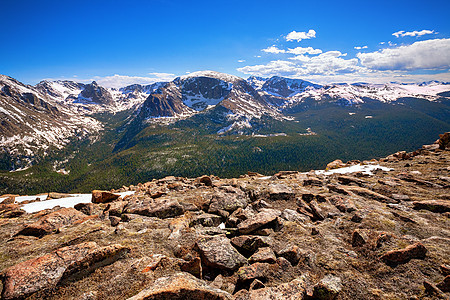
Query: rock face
x=181 y=286
x=47 y=271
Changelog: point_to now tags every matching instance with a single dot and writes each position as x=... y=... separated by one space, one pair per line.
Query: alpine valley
x=67 y=136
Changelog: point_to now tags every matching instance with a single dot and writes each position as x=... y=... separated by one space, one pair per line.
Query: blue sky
x=122 y=42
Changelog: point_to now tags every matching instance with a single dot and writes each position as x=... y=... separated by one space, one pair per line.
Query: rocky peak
x=285 y=87
x=94 y=93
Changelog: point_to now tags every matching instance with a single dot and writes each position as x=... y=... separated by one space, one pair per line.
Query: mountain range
x=65 y=133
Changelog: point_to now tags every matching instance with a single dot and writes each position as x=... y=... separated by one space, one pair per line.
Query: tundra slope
x=288 y=236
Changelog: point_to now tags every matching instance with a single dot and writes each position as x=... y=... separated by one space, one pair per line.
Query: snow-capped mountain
x=34 y=119
x=285 y=92
x=32 y=123
x=359 y=93
x=202 y=91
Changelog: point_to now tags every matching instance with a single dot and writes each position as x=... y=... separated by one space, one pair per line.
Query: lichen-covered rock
x=328 y=288
x=257 y=270
x=228 y=199
x=264 y=254
x=261 y=219
x=207 y=220
x=217 y=252
x=47 y=271
x=280 y=192
x=53 y=221
x=293 y=290
x=292 y=253
x=180 y=286
x=164 y=207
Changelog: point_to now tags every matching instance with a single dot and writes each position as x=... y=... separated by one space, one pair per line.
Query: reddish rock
x=9 y=200
x=47 y=271
x=206 y=180
x=114 y=220
x=116 y=208
x=342 y=203
x=86 y=208
x=256 y=271
x=181 y=286
x=264 y=254
x=401 y=256
x=261 y=219
x=256 y=284
x=193 y=266
x=335 y=164
x=363 y=192
x=103 y=196
x=292 y=253
x=293 y=290
x=359 y=238
x=444 y=141
x=445 y=270
x=52 y=222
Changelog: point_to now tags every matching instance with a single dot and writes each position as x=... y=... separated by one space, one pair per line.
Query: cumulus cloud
x=118 y=81
x=360 y=47
x=328 y=63
x=273 y=49
x=403 y=33
x=241 y=60
x=298 y=36
x=429 y=54
x=307 y=50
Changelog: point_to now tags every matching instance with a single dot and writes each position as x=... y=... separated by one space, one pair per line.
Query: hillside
x=376 y=229
x=75 y=137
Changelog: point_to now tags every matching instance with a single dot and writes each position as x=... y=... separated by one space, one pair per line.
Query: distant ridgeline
x=68 y=136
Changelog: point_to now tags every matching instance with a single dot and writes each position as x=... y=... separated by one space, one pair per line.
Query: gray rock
x=217 y=252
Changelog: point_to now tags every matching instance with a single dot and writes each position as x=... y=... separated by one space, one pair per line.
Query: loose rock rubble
x=289 y=236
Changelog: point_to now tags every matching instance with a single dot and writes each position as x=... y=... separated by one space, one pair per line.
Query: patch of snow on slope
x=63 y=202
x=365 y=169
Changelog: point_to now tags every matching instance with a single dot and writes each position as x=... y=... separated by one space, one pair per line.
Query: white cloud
x=118 y=81
x=429 y=54
x=403 y=33
x=273 y=49
x=307 y=50
x=241 y=60
x=360 y=47
x=298 y=36
x=328 y=63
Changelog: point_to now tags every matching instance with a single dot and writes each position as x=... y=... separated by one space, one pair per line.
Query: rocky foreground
x=289 y=236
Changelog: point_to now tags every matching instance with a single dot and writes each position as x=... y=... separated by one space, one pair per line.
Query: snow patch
x=365 y=169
